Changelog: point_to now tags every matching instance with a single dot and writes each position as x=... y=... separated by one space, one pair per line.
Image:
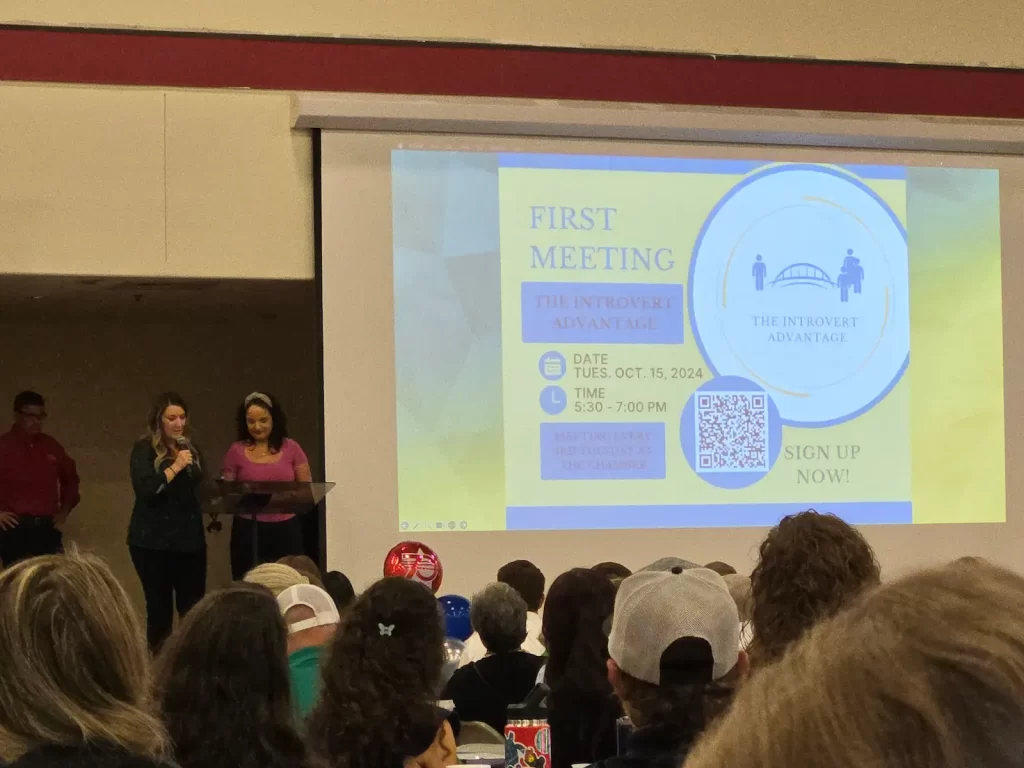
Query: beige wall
x=99 y=372
x=178 y=183
x=981 y=32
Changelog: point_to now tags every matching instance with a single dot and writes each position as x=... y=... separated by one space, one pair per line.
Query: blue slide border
x=571 y=518
x=673 y=164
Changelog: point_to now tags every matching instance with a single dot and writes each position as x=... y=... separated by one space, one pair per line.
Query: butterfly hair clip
x=386 y=631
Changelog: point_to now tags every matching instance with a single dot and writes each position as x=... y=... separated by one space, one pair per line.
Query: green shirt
x=304 y=670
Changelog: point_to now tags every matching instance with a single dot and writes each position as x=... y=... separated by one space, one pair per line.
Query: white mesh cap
x=312 y=597
x=669 y=564
x=683 y=623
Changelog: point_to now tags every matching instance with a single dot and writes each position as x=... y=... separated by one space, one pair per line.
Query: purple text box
x=602 y=313
x=575 y=451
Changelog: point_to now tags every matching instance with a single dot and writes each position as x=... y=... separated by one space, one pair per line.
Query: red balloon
x=415 y=561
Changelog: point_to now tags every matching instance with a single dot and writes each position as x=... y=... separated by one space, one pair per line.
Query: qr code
x=732 y=432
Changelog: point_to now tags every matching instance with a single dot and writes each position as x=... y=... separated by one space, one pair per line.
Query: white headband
x=258 y=396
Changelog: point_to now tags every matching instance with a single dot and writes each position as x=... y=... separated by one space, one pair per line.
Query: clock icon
x=553 y=400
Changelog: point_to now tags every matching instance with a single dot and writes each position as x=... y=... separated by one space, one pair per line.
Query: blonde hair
x=75 y=665
x=927 y=671
x=275 y=577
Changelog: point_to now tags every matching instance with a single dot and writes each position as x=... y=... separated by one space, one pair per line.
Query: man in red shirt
x=38 y=484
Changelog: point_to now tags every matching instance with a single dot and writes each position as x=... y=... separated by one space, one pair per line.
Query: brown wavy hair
x=377 y=705
x=223 y=687
x=925 y=671
x=811 y=565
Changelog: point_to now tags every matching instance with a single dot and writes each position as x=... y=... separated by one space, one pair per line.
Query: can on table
x=527 y=744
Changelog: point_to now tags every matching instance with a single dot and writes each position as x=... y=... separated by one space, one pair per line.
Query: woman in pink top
x=264 y=453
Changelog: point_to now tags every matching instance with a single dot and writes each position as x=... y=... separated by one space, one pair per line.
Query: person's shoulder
x=143 y=445
x=288 y=445
x=235 y=451
x=462 y=676
x=50 y=441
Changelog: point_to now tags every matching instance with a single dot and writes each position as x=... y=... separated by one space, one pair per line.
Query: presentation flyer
x=595 y=342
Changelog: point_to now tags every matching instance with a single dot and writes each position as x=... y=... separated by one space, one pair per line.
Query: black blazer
x=166 y=516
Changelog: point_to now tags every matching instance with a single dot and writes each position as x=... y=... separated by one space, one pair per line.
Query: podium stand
x=224 y=497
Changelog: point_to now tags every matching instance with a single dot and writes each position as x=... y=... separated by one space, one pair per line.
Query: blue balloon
x=456 y=616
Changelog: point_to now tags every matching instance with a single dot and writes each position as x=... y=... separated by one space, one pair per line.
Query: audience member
x=304 y=564
x=222 y=684
x=165 y=535
x=275 y=577
x=528 y=580
x=312 y=619
x=739 y=588
x=675 y=661
x=923 y=672
x=38 y=484
x=811 y=565
x=483 y=690
x=722 y=569
x=582 y=706
x=339 y=587
x=614 y=571
x=73 y=685
x=378 y=704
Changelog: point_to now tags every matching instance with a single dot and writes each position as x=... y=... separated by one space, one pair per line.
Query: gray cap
x=675 y=627
x=669 y=564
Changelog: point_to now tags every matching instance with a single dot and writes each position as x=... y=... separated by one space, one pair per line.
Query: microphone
x=183 y=445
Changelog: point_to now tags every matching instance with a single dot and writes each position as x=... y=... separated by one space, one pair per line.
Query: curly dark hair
x=222 y=684
x=278 y=430
x=811 y=565
x=582 y=703
x=381 y=680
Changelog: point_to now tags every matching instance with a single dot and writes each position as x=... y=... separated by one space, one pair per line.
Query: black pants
x=274 y=540
x=32 y=536
x=168 y=578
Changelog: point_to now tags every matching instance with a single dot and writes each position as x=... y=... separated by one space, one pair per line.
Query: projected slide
x=587 y=342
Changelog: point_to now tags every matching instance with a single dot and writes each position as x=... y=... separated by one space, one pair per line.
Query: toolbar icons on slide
x=552 y=366
x=553 y=400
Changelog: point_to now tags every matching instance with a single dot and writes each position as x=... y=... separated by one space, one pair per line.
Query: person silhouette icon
x=760 y=270
x=843 y=281
x=855 y=270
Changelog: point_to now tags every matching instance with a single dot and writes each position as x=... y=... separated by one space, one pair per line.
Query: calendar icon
x=552 y=366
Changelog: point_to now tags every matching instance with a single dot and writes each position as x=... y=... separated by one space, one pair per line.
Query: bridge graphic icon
x=803 y=273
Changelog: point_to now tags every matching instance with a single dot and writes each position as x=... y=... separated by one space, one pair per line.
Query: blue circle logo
x=799 y=283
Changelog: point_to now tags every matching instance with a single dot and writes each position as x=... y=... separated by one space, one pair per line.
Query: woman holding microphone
x=165 y=536
x=264 y=453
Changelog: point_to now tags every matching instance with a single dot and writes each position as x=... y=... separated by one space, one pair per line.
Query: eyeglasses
x=36 y=416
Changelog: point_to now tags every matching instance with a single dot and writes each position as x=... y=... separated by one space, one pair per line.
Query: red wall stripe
x=159 y=59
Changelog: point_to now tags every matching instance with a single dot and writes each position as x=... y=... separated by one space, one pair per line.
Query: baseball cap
x=312 y=597
x=675 y=627
x=670 y=564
